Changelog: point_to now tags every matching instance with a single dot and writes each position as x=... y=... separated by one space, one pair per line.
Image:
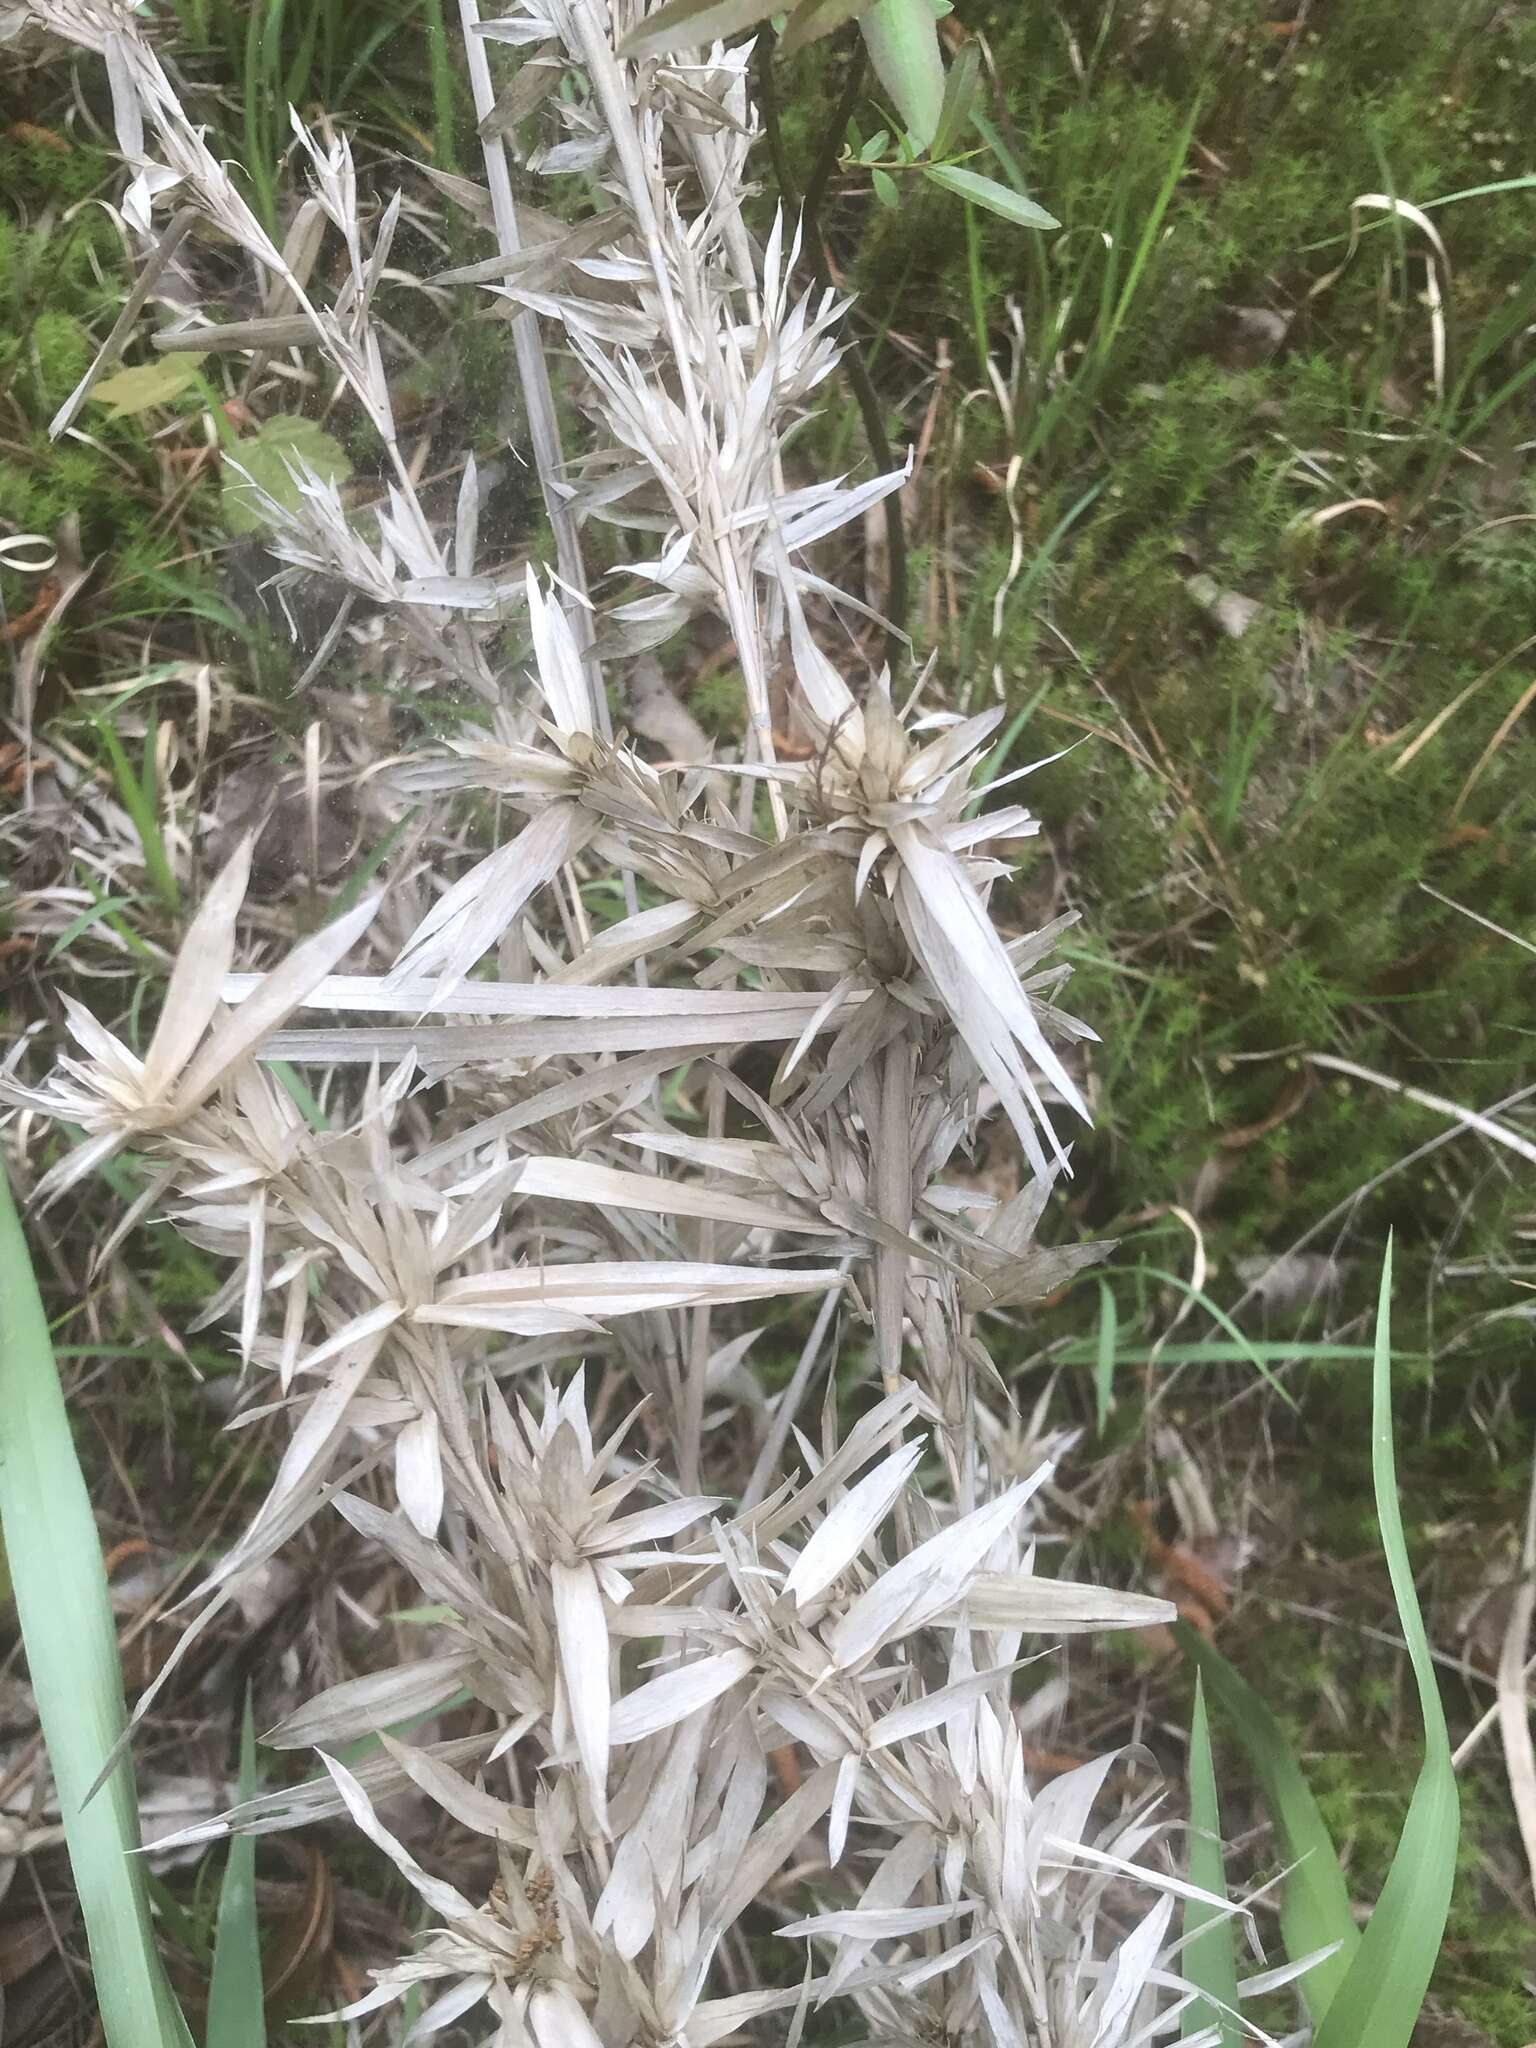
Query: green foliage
x=62 y=272
x=719 y=703
x=270 y=464
x=383 y=66
x=234 y=1992
x=70 y=1640
x=1209 y=1959
x=1315 y=1911
x=1381 y=1997
x=1281 y=854
x=1372 y=1986
x=147 y=385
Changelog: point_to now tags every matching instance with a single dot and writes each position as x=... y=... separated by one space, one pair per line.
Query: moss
x=62 y=277
x=719 y=703
x=61 y=353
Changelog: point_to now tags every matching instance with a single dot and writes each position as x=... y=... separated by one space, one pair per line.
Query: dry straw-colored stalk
x=431 y=1297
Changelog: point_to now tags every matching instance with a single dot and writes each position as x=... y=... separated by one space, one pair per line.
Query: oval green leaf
x=989 y=193
x=902 y=38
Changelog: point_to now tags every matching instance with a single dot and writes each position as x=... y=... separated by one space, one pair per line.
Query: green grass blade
x=1209 y=1961
x=1314 y=1912
x=1212 y=1351
x=976 y=276
x=997 y=142
x=1152 y=227
x=445 y=102
x=299 y=1089
x=104 y=907
x=1104 y=1362
x=350 y=894
x=362 y=57
x=234 y=1994
x=1380 y=2000
x=139 y=804
x=1219 y=1315
x=997 y=760
x=70 y=1641
x=298 y=86
x=263 y=88
x=189 y=1929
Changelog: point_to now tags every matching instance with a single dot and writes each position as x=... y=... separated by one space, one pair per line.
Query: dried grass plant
x=516 y=1213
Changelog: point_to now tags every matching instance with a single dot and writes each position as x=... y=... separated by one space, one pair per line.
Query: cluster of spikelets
x=511 y=1214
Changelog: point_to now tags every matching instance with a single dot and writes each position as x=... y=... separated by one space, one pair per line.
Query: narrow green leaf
x=190 y=1930
x=93 y=913
x=1104 y=1366
x=885 y=189
x=684 y=24
x=350 y=894
x=1219 y=1315
x=1109 y=327
x=1314 y=1911
x=1213 y=1351
x=989 y=193
x=444 y=87
x=70 y=1641
x=300 y=1094
x=140 y=806
x=995 y=140
x=959 y=98
x=1381 y=1998
x=1209 y=1960
x=813 y=19
x=902 y=39
x=234 y=1993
